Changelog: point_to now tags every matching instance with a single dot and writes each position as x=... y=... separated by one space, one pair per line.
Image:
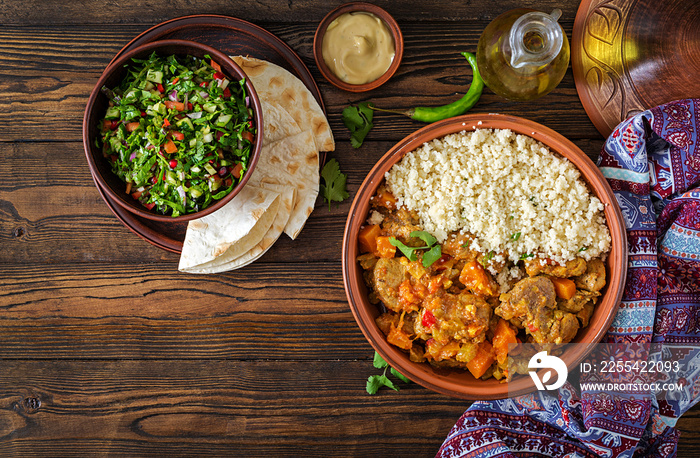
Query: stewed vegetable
x=178 y=132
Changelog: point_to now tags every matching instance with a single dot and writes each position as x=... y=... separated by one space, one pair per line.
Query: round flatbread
x=274 y=83
x=293 y=162
x=278 y=123
x=213 y=240
x=285 y=209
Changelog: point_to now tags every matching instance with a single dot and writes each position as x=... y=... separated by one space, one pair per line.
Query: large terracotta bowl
x=97 y=106
x=460 y=383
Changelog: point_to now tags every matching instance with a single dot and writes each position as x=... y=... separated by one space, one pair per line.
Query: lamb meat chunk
x=594 y=277
x=400 y=224
x=579 y=299
x=532 y=301
x=387 y=276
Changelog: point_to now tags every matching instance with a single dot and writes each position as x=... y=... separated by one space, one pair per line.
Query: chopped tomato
x=150 y=206
x=170 y=147
x=227 y=93
x=160 y=87
x=136 y=194
x=175 y=80
x=132 y=126
x=166 y=123
x=248 y=136
x=109 y=125
x=190 y=106
x=236 y=171
x=428 y=320
x=178 y=135
x=203 y=84
x=218 y=76
x=169 y=104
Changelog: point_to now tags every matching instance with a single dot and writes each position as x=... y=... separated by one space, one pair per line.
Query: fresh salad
x=178 y=132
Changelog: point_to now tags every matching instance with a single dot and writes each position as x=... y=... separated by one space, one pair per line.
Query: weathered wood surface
x=105 y=349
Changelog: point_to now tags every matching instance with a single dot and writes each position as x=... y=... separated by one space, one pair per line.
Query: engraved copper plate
x=632 y=55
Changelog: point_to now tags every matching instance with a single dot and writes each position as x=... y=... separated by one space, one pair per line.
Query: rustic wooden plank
x=134 y=12
x=295 y=311
x=47 y=76
x=191 y=408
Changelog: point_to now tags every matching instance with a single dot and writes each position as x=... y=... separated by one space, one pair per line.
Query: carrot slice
x=483 y=359
x=476 y=279
x=503 y=336
x=368 y=238
x=384 y=247
x=563 y=287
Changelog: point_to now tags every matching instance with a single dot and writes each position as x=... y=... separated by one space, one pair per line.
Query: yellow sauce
x=358 y=47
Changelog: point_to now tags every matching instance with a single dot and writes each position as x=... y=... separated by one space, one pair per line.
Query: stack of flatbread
x=282 y=190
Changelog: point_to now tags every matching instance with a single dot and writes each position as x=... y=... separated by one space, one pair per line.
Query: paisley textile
x=652 y=163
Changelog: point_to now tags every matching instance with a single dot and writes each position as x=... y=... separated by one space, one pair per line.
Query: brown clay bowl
x=97 y=106
x=459 y=383
x=350 y=8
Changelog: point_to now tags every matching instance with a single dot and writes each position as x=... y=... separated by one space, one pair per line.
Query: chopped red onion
x=195 y=115
x=173 y=95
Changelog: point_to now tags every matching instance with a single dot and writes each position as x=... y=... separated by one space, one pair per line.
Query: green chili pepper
x=458 y=107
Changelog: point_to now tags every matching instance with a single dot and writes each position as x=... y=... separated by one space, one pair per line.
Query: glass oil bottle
x=523 y=54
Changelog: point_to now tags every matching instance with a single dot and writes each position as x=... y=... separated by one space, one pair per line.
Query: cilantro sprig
x=375 y=382
x=335 y=188
x=359 y=120
x=429 y=257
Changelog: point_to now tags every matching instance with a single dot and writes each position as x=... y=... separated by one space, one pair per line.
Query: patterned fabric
x=652 y=162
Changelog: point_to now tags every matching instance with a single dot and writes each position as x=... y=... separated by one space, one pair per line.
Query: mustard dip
x=358 y=47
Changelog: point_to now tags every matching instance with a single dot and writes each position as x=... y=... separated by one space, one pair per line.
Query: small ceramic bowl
x=351 y=8
x=456 y=382
x=97 y=105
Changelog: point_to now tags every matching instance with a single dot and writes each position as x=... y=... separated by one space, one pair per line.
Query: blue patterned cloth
x=652 y=163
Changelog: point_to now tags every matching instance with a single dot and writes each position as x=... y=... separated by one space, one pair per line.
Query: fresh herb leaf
x=525 y=256
x=408 y=251
x=399 y=376
x=515 y=236
x=429 y=257
x=358 y=119
x=335 y=188
x=427 y=237
x=374 y=382
x=432 y=255
x=379 y=362
x=583 y=249
x=388 y=383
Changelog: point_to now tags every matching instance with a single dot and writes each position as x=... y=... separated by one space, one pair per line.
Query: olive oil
x=523 y=54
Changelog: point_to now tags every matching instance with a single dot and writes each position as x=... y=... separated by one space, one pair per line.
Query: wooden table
x=105 y=349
